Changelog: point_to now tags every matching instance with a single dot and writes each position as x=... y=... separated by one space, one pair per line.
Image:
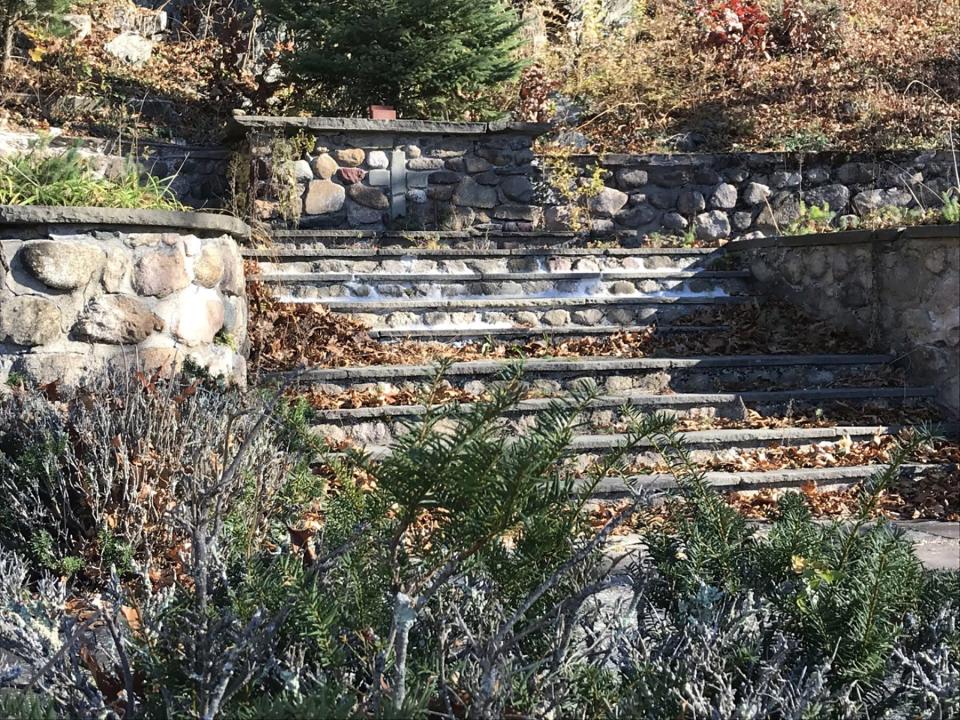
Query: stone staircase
x=517 y=289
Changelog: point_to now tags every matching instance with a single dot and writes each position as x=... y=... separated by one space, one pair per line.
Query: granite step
x=509 y=311
x=521 y=335
x=613 y=374
x=612 y=488
x=605 y=414
x=936 y=543
x=372 y=286
x=279 y=259
x=332 y=238
x=645 y=461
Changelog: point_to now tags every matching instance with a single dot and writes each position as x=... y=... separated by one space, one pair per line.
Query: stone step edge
x=679 y=400
x=721 y=439
x=751 y=480
x=419 y=234
x=545 y=276
x=612 y=487
x=395 y=252
x=508 y=302
x=717 y=439
x=581 y=364
x=538 y=333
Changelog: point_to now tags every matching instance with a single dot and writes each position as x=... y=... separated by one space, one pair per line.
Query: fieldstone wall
x=84 y=290
x=898 y=289
x=722 y=196
x=403 y=174
x=411 y=174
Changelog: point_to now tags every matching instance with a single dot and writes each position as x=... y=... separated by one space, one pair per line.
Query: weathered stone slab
x=117 y=320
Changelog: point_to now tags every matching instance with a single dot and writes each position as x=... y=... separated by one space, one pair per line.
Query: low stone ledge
x=850 y=237
x=417 y=127
x=86 y=290
x=123 y=217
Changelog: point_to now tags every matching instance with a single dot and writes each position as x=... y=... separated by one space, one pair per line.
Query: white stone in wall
x=377 y=160
x=302 y=172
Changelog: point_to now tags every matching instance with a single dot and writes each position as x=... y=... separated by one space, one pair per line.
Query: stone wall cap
x=420 y=127
x=52 y=215
x=850 y=237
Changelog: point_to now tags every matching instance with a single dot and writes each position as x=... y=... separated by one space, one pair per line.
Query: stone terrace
x=522 y=288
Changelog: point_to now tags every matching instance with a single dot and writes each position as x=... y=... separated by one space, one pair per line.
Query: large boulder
x=29 y=320
x=631 y=178
x=324 y=166
x=756 y=193
x=351 y=157
x=62 y=265
x=208 y=267
x=724 y=197
x=323 y=197
x=160 y=274
x=130 y=48
x=517 y=188
x=368 y=196
x=691 y=202
x=470 y=193
x=117 y=320
x=835 y=197
x=608 y=202
x=712 y=226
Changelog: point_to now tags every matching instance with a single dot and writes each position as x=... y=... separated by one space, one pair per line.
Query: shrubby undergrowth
x=39 y=176
x=169 y=549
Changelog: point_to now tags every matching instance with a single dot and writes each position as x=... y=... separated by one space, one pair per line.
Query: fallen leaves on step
x=843 y=452
x=286 y=336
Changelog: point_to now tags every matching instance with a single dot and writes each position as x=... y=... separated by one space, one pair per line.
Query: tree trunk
x=8 y=23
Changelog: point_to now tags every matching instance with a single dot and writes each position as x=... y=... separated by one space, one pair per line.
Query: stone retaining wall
x=371 y=174
x=898 y=289
x=86 y=289
x=411 y=174
x=720 y=196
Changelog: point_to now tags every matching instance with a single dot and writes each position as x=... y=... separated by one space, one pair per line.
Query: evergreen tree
x=421 y=56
